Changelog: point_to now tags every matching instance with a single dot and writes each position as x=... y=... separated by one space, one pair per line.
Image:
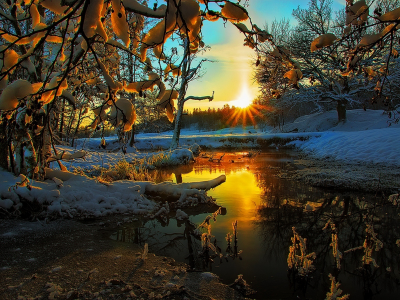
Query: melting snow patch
x=56 y=269
x=181 y=215
x=8 y=234
x=208 y=276
x=170 y=284
x=6 y=203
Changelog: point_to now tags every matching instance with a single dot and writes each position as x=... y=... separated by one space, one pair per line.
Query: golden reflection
x=244 y=196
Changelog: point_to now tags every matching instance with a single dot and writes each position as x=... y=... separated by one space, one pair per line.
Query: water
x=266 y=209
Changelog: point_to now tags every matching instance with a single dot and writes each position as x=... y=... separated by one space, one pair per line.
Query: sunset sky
x=230 y=75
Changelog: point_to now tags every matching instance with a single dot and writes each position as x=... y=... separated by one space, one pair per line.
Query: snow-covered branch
x=210 y=98
x=182 y=190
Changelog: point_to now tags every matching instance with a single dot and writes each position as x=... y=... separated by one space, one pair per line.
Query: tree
x=331 y=65
x=188 y=74
x=54 y=50
x=57 y=51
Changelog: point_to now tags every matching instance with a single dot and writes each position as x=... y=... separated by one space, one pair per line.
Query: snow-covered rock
x=181 y=156
x=181 y=215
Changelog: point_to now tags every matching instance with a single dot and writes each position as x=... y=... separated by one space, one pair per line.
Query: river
x=267 y=209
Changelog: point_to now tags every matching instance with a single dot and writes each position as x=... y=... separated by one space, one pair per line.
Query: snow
x=6 y=203
x=234 y=12
x=92 y=17
x=181 y=215
x=208 y=276
x=118 y=21
x=80 y=196
x=366 y=138
x=372 y=146
x=14 y=91
x=357 y=120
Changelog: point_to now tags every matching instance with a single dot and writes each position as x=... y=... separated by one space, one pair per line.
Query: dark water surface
x=266 y=208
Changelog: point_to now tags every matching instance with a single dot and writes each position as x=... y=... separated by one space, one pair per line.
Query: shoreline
x=330 y=173
x=69 y=259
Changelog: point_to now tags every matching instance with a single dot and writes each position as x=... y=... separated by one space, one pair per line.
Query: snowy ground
x=365 y=140
x=362 y=153
x=366 y=136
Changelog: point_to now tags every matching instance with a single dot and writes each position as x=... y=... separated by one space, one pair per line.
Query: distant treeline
x=218 y=118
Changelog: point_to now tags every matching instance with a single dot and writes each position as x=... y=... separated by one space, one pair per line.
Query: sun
x=248 y=111
x=244 y=100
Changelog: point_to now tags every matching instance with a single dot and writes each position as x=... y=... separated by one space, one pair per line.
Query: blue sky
x=230 y=75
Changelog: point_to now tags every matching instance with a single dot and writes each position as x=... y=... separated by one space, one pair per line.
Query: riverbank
x=68 y=259
x=79 y=259
x=329 y=173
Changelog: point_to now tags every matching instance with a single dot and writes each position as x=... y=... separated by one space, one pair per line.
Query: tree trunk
x=69 y=128
x=341 y=110
x=77 y=127
x=178 y=124
x=46 y=142
x=3 y=145
x=186 y=76
x=132 y=140
x=62 y=120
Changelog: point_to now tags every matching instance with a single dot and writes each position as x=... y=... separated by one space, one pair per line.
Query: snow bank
x=370 y=146
x=95 y=158
x=81 y=196
x=367 y=136
x=228 y=138
x=357 y=120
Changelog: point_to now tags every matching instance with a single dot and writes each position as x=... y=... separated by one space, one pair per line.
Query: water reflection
x=266 y=208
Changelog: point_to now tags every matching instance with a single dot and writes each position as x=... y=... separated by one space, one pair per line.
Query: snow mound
x=181 y=156
x=371 y=146
x=357 y=120
x=181 y=215
x=84 y=197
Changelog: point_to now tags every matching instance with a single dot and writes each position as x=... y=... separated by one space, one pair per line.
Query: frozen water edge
x=108 y=268
x=330 y=173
